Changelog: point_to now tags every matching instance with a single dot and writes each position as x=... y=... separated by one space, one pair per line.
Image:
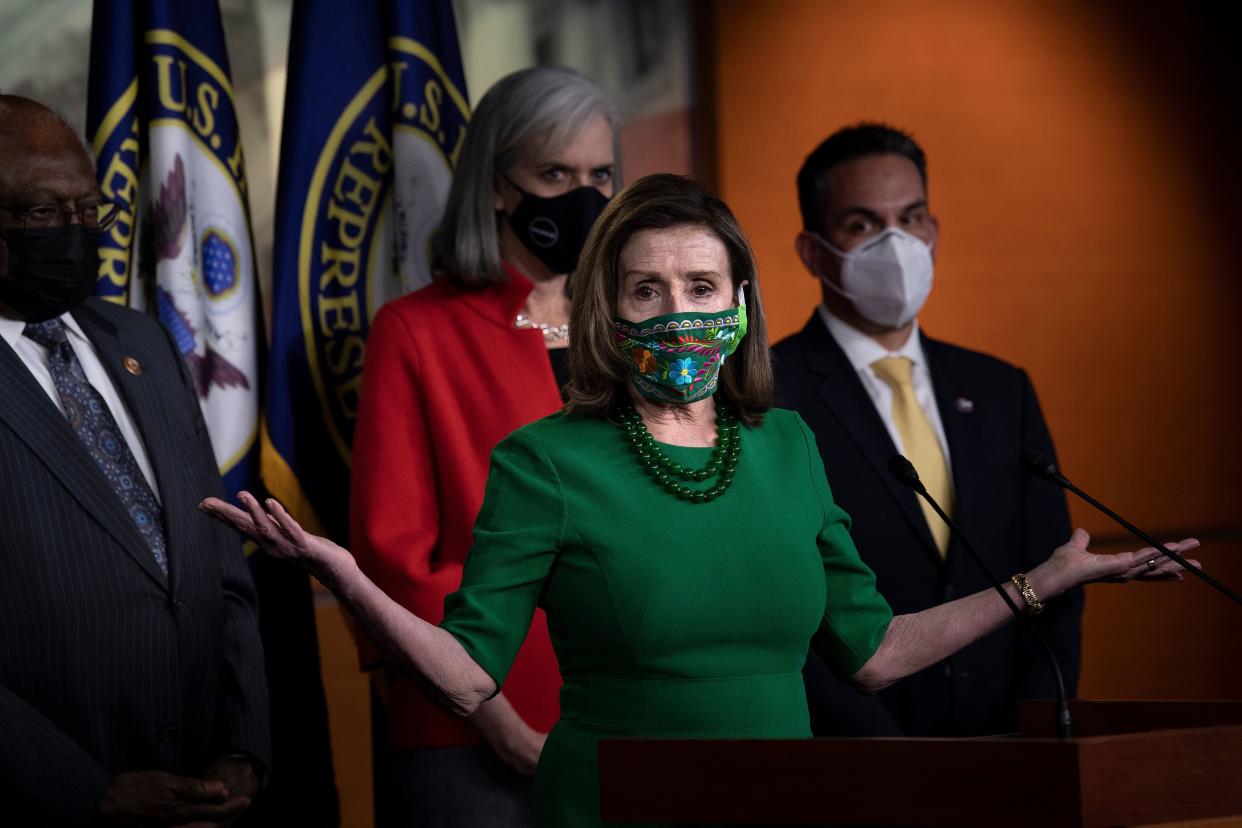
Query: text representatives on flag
x=349 y=244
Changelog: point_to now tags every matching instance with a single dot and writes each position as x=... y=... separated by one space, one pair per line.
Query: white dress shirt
x=861 y=350
x=35 y=358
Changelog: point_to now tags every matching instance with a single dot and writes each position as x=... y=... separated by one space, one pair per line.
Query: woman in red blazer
x=450 y=371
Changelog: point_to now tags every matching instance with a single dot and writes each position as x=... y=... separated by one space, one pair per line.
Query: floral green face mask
x=676 y=358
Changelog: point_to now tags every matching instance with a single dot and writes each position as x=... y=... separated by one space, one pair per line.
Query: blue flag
x=164 y=133
x=375 y=116
x=163 y=128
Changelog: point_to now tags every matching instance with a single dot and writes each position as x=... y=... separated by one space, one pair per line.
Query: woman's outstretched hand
x=916 y=641
x=1073 y=564
x=275 y=531
x=412 y=647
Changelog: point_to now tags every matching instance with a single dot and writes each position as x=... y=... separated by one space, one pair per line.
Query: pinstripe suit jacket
x=106 y=664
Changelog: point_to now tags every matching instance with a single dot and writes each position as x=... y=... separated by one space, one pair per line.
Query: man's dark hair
x=858 y=141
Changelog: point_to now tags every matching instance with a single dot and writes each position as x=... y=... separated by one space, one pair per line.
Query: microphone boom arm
x=904 y=471
x=1040 y=466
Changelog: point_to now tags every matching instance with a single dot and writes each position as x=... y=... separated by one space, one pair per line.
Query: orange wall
x=1078 y=168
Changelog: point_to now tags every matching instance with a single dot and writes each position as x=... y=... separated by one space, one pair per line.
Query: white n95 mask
x=887 y=278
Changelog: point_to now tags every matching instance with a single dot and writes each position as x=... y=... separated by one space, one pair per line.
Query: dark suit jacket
x=106 y=665
x=990 y=415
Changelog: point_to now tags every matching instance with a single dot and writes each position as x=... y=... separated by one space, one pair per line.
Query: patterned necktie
x=92 y=422
x=922 y=446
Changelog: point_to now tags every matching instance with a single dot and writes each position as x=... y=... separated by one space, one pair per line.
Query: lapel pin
x=963 y=405
x=132 y=365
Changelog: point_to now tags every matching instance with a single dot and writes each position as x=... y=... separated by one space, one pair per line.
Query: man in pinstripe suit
x=131 y=672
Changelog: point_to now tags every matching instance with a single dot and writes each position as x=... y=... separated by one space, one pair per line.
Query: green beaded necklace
x=668 y=472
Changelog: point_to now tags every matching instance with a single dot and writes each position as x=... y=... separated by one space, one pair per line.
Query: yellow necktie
x=922 y=447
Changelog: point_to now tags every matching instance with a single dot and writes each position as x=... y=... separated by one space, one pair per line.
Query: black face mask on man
x=555 y=229
x=50 y=270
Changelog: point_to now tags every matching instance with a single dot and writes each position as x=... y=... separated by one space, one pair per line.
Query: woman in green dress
x=678 y=532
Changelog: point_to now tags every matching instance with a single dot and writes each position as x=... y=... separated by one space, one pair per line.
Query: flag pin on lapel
x=963 y=405
x=132 y=365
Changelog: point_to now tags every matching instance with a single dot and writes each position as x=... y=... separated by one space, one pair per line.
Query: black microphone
x=1041 y=466
x=905 y=473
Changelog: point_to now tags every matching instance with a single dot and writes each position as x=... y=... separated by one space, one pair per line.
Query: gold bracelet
x=1033 y=605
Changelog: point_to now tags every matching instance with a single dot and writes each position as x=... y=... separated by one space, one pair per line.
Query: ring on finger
x=1151 y=565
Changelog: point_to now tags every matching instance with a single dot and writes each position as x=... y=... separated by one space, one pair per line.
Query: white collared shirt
x=862 y=351
x=34 y=357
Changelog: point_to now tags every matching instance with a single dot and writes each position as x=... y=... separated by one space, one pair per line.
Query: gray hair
x=531 y=111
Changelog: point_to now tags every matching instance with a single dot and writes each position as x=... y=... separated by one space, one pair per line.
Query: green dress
x=669 y=619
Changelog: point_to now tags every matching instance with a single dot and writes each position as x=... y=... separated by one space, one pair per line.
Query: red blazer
x=447 y=377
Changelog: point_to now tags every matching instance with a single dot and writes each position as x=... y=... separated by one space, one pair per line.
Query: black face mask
x=555 y=229
x=51 y=270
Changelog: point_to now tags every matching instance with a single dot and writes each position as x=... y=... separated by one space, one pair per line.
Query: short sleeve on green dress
x=856 y=616
x=516 y=538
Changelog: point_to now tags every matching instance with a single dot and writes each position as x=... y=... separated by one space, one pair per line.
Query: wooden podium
x=1130 y=763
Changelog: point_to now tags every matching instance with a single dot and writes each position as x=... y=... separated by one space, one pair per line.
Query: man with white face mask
x=869 y=383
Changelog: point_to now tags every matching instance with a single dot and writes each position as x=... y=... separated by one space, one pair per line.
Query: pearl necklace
x=553 y=333
x=666 y=472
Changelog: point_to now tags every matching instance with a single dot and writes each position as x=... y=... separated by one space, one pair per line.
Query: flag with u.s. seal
x=163 y=126
x=375 y=117
x=161 y=122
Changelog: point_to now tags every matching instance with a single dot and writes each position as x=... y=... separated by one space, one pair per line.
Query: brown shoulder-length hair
x=597 y=370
